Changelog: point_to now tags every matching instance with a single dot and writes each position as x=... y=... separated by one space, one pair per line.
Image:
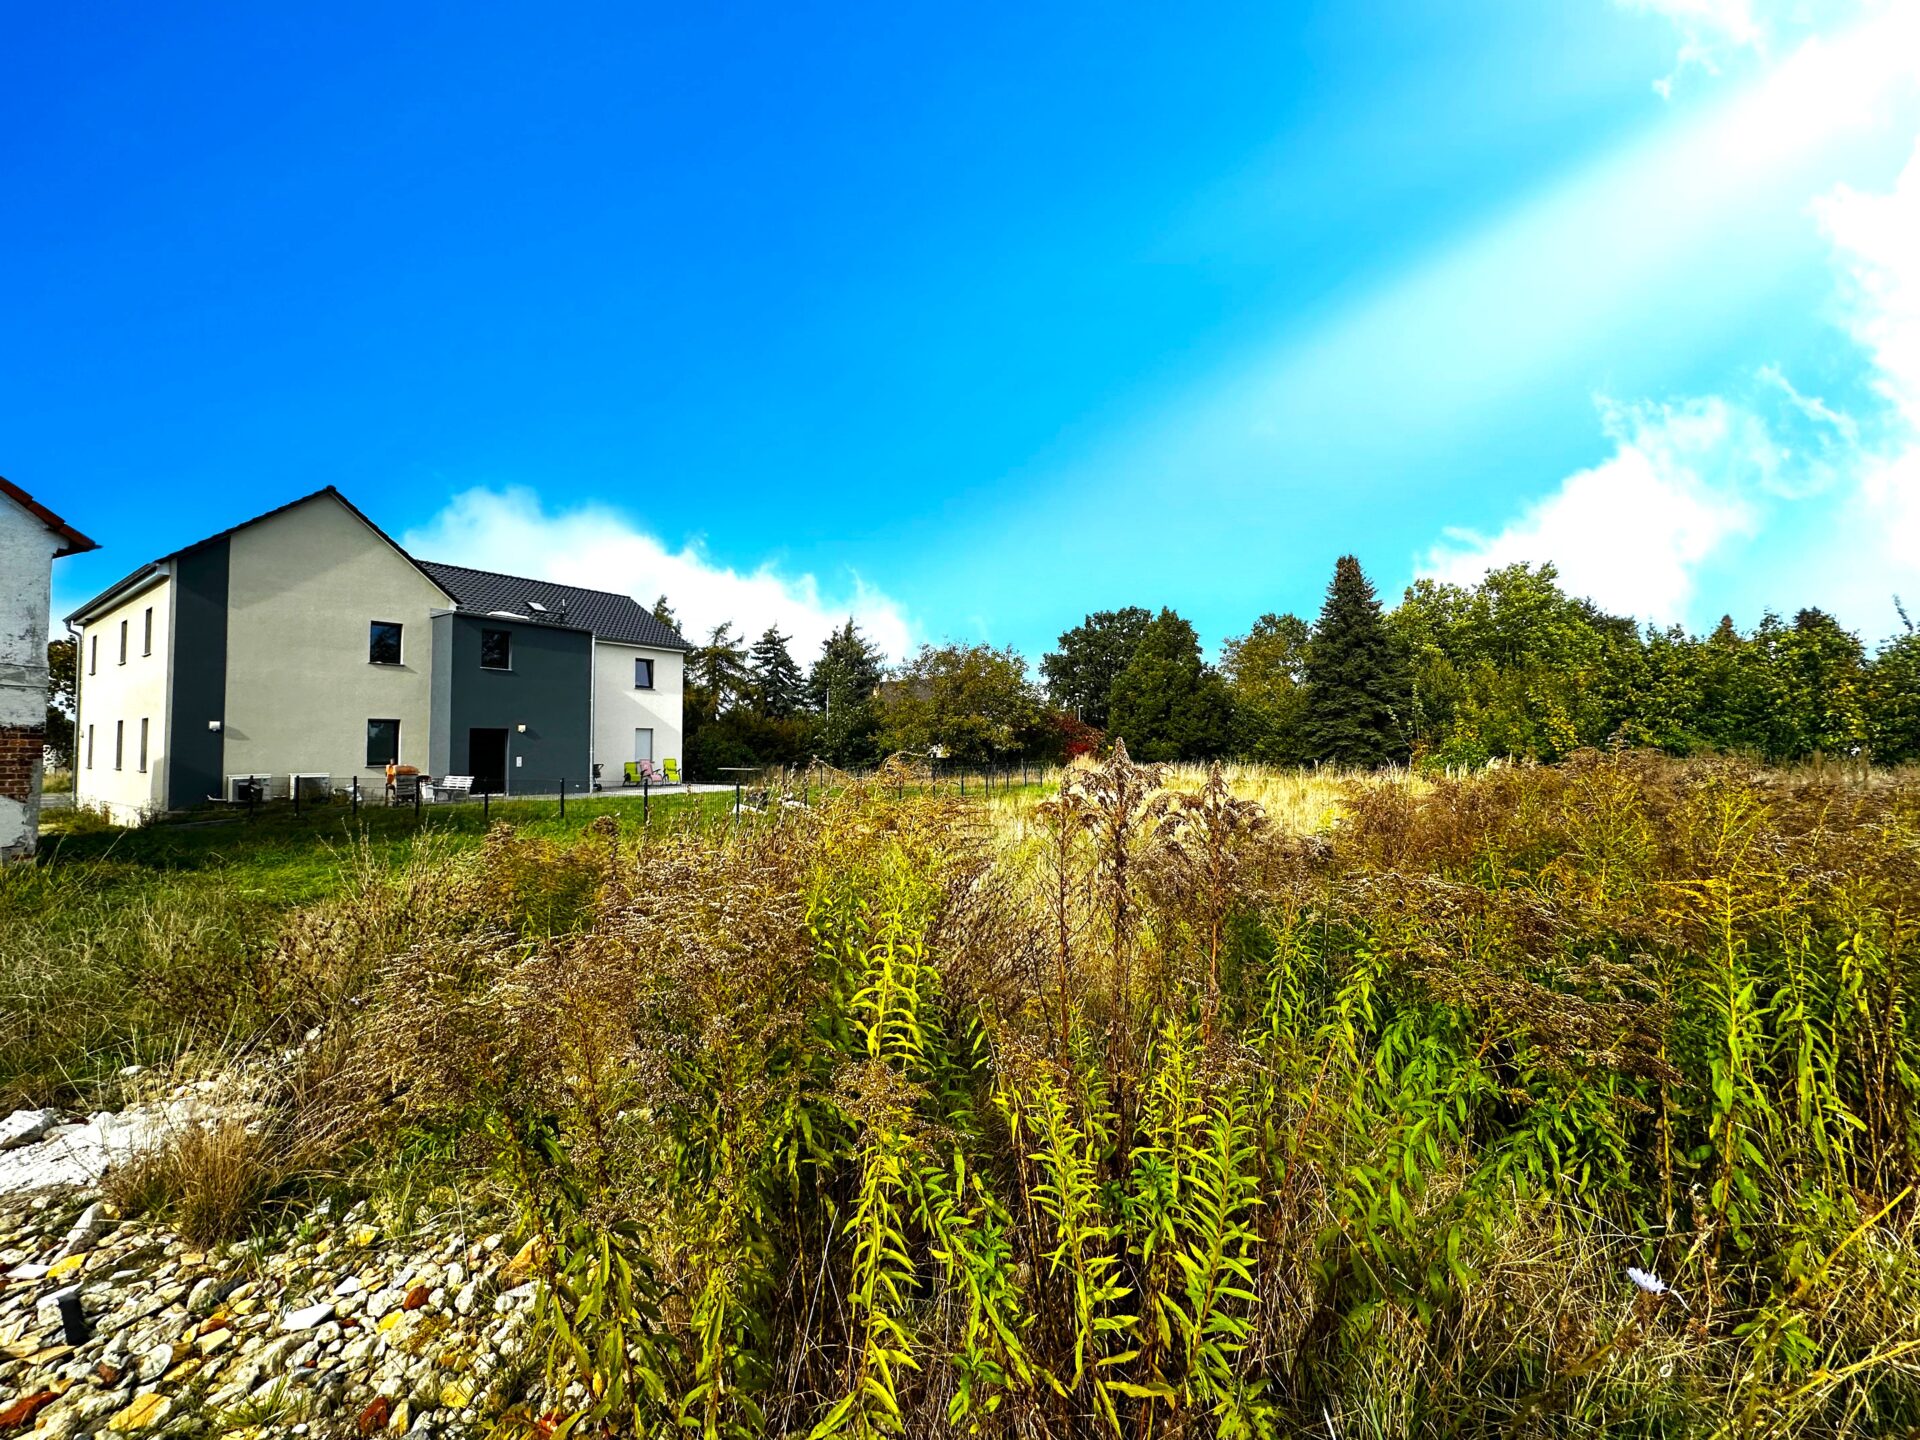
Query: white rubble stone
x=23 y=1127
x=307 y=1318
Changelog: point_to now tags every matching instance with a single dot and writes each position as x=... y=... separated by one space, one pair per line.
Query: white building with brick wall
x=32 y=537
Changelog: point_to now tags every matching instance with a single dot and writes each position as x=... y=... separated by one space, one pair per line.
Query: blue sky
x=971 y=322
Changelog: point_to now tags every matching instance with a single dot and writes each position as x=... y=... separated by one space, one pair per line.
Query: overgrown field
x=1142 y=1110
x=130 y=946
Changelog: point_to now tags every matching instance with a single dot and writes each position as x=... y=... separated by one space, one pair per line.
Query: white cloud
x=1709 y=29
x=1878 y=241
x=1714 y=32
x=1821 y=503
x=595 y=546
x=1630 y=531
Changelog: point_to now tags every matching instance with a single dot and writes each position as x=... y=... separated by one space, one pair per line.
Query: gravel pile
x=333 y=1327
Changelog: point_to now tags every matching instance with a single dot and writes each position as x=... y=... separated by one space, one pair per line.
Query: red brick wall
x=20 y=751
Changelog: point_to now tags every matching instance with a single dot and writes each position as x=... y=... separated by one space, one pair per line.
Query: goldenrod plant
x=1533 y=1101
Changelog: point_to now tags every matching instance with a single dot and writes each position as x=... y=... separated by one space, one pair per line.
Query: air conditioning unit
x=310 y=786
x=238 y=787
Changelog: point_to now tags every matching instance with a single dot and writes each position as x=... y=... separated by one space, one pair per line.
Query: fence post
x=356 y=795
x=563 y=797
x=646 y=798
x=416 y=797
x=293 y=783
x=486 y=807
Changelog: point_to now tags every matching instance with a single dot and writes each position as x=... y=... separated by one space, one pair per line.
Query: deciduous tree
x=972 y=701
x=1080 y=674
x=1266 y=671
x=720 y=669
x=62 y=677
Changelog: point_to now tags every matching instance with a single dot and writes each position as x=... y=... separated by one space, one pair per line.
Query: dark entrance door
x=487 y=758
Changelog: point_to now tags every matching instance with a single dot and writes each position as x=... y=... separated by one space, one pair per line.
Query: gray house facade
x=305 y=646
x=508 y=703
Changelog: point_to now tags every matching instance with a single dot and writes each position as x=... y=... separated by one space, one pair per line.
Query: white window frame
x=487 y=630
x=387 y=664
x=398 y=738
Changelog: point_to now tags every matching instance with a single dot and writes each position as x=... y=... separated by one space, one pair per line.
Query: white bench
x=451 y=787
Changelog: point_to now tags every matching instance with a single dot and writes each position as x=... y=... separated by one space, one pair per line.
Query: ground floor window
x=643 y=744
x=89 y=747
x=383 y=743
x=143 y=747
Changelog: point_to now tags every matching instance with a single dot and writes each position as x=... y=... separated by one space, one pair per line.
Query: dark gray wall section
x=549 y=690
x=440 y=701
x=195 y=754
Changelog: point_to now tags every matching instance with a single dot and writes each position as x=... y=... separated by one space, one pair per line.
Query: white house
x=32 y=537
x=306 y=642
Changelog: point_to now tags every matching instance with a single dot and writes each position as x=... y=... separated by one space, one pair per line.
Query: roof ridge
x=77 y=543
x=232 y=530
x=530 y=579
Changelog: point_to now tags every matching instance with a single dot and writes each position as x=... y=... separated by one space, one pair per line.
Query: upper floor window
x=123 y=642
x=643 y=674
x=496 y=649
x=146 y=645
x=383 y=643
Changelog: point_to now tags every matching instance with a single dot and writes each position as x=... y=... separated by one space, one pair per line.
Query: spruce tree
x=663 y=612
x=841 y=689
x=778 y=687
x=1168 y=703
x=1356 y=680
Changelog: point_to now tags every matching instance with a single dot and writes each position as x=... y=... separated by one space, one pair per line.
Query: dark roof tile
x=609 y=616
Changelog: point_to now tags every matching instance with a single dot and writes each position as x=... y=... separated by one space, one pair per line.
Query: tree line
x=1512 y=667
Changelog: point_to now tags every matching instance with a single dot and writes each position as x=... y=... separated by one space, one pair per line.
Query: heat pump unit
x=238 y=787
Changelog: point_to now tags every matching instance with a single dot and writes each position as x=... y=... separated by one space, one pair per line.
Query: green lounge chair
x=633 y=772
x=672 y=769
